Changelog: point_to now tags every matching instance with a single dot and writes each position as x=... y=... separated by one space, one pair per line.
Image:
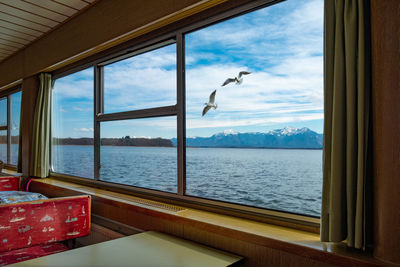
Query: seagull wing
x=229 y=80
x=206 y=108
x=212 y=97
x=243 y=73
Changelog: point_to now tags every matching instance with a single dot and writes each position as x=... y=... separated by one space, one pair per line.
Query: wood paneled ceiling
x=24 y=21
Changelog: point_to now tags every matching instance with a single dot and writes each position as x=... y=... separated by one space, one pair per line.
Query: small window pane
x=3 y=112
x=140 y=152
x=3 y=146
x=72 y=124
x=15 y=124
x=144 y=81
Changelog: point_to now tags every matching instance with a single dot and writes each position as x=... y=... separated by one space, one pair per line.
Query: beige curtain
x=41 y=128
x=347 y=122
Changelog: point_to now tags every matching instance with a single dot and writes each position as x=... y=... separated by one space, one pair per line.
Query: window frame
x=7 y=94
x=112 y=55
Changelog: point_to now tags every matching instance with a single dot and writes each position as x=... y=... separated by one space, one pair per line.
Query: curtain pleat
x=346 y=126
x=41 y=128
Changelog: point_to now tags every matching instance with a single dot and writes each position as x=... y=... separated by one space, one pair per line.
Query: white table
x=144 y=249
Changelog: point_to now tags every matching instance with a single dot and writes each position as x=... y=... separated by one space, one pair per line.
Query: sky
x=15 y=113
x=15 y=122
x=280 y=45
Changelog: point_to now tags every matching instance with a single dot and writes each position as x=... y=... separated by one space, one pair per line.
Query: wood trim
x=267 y=216
x=11 y=89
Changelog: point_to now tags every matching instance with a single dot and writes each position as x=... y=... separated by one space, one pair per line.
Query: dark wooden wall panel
x=385 y=18
x=30 y=87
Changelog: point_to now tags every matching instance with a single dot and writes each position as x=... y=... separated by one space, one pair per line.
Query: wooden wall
x=385 y=16
x=30 y=87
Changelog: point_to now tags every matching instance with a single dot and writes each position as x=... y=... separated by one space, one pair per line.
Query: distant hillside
x=126 y=141
x=3 y=139
x=281 y=138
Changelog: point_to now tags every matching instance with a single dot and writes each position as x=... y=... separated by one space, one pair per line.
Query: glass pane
x=15 y=122
x=140 y=152
x=143 y=81
x=260 y=141
x=3 y=111
x=3 y=146
x=72 y=124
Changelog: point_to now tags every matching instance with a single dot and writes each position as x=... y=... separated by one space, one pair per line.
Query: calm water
x=279 y=179
x=13 y=156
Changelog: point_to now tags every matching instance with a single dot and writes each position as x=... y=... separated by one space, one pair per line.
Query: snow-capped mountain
x=287 y=137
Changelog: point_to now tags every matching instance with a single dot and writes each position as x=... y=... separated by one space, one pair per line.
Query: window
x=148 y=116
x=129 y=141
x=72 y=124
x=262 y=145
x=10 y=109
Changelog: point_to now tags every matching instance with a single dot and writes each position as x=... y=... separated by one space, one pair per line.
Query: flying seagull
x=210 y=103
x=237 y=79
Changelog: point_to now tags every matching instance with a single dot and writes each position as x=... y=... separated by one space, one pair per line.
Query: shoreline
x=286 y=148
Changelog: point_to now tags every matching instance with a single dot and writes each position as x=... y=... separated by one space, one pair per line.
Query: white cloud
x=260 y=92
x=76 y=108
x=78 y=85
x=136 y=88
x=83 y=130
x=232 y=122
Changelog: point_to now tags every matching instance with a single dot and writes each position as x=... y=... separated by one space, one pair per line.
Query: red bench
x=35 y=228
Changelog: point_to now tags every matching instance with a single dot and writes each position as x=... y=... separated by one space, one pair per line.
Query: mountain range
x=287 y=137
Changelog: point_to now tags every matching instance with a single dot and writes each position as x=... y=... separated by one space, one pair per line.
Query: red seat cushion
x=29 y=253
x=9 y=183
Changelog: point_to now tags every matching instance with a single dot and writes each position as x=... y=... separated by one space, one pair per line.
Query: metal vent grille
x=154 y=204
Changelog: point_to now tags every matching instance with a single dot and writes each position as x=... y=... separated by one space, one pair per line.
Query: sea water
x=279 y=179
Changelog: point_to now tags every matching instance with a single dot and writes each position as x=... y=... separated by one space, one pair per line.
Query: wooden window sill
x=293 y=241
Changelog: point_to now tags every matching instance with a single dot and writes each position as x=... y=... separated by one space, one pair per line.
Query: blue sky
x=15 y=113
x=281 y=45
